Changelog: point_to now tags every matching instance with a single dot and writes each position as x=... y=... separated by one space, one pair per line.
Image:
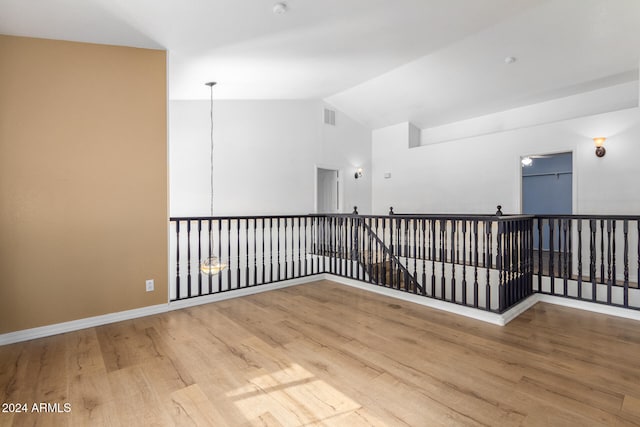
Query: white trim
x=474 y=313
x=590 y=306
x=75 y=325
x=177 y=305
x=519 y=308
x=574 y=175
x=89 y=322
x=489 y=317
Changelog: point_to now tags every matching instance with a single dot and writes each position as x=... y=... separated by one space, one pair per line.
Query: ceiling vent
x=329 y=117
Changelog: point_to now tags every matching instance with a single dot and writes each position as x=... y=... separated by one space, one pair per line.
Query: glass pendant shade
x=212 y=265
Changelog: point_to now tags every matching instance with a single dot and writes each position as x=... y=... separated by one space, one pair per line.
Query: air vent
x=329 y=117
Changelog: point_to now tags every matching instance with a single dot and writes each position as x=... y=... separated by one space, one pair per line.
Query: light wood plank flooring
x=326 y=354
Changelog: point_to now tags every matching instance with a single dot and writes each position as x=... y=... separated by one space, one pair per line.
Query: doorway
x=547 y=189
x=327 y=190
x=547 y=184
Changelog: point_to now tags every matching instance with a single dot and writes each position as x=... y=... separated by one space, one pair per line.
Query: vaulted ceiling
x=381 y=61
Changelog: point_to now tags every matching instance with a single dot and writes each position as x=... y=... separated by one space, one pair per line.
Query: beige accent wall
x=83 y=180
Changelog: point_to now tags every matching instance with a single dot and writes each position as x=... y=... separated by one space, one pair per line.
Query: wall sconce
x=599 y=142
x=358 y=173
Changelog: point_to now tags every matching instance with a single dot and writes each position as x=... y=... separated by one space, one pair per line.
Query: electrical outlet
x=150 y=285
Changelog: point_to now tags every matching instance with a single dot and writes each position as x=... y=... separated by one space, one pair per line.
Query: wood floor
x=326 y=354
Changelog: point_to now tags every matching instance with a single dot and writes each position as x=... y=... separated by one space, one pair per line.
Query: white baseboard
x=89 y=322
x=494 y=318
x=75 y=325
x=177 y=305
x=590 y=306
x=485 y=316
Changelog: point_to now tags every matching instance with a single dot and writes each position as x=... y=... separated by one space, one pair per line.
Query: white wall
x=348 y=144
x=265 y=154
x=473 y=175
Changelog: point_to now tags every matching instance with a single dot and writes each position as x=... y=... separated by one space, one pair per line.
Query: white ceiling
x=380 y=61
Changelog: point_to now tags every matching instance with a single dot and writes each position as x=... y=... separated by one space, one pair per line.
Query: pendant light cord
x=211 y=163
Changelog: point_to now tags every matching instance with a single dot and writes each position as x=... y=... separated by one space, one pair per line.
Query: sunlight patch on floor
x=293 y=396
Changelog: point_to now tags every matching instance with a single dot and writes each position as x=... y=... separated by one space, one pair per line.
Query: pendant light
x=212 y=264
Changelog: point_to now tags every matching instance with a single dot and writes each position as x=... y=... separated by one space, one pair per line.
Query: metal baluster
x=278 y=268
x=383 y=252
x=416 y=241
x=592 y=258
x=608 y=261
x=625 y=260
x=188 y=258
x=306 y=271
x=488 y=249
x=299 y=247
x=540 y=222
x=246 y=248
x=407 y=248
x=613 y=252
x=565 y=262
x=255 y=251
x=552 y=255
x=374 y=248
x=336 y=243
x=424 y=253
x=238 y=281
x=453 y=260
x=220 y=253
x=199 y=257
x=499 y=257
x=399 y=248
x=229 y=282
x=443 y=257
x=286 y=252
x=464 y=261
x=209 y=276
x=602 y=251
x=263 y=252
x=177 y=260
x=475 y=267
x=270 y=249
x=579 y=259
x=353 y=245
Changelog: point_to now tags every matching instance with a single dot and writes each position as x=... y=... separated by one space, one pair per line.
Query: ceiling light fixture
x=509 y=59
x=280 y=8
x=212 y=264
x=527 y=161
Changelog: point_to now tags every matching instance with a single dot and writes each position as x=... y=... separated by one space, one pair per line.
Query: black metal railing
x=594 y=258
x=478 y=261
x=488 y=262
x=255 y=250
x=483 y=262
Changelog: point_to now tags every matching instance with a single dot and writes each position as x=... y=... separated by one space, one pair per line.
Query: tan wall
x=83 y=180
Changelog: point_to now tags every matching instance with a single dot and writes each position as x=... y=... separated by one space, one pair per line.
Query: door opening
x=327 y=190
x=547 y=182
